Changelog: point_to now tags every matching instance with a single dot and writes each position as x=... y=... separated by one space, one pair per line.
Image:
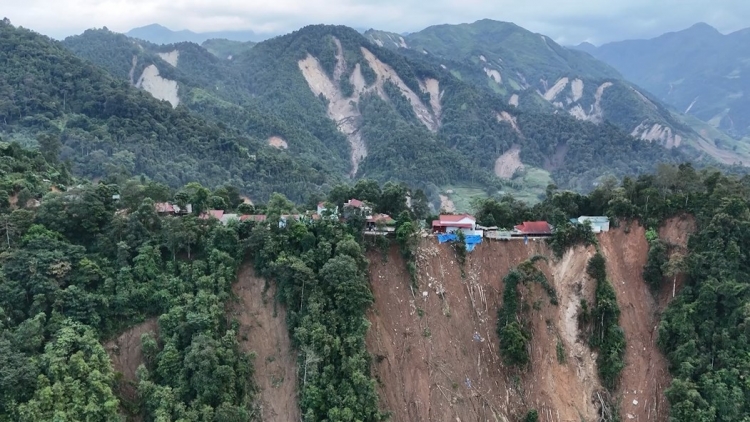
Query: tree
x=8 y=228
x=393 y=199
x=420 y=205
x=676 y=265
x=49 y=145
x=76 y=380
x=278 y=205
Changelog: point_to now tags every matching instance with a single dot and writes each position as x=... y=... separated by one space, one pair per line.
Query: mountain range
x=159 y=34
x=699 y=71
x=479 y=109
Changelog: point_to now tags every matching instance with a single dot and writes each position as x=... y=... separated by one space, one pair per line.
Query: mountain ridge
x=343 y=89
x=698 y=70
x=159 y=34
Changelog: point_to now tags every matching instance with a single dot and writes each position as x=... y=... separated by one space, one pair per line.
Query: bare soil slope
x=263 y=331
x=436 y=351
x=646 y=372
x=126 y=354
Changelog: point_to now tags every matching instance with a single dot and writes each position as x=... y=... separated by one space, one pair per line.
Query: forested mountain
x=80 y=266
x=699 y=71
x=533 y=72
x=327 y=92
x=105 y=127
x=187 y=75
x=85 y=255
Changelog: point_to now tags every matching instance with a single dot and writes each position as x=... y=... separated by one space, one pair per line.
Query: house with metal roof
x=599 y=224
x=380 y=222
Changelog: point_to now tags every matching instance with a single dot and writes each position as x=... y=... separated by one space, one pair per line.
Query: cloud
x=567 y=22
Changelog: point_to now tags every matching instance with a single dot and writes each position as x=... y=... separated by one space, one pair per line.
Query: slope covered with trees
x=105 y=127
x=264 y=93
x=80 y=266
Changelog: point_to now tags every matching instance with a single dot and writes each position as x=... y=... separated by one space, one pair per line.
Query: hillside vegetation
x=107 y=128
x=333 y=96
x=226 y=49
x=77 y=267
x=80 y=266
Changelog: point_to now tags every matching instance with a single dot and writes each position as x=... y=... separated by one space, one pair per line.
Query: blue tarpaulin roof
x=471 y=241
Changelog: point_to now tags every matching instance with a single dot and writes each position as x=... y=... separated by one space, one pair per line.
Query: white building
x=599 y=224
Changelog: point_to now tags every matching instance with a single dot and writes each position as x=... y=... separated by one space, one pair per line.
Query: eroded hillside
x=436 y=350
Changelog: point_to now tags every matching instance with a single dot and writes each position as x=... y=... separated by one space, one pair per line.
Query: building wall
x=467 y=232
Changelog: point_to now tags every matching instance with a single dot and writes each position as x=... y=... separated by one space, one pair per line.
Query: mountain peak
x=702 y=28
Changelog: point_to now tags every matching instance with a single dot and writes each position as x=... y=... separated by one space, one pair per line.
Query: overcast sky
x=566 y=21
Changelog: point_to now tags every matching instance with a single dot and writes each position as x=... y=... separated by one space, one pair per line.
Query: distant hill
x=159 y=34
x=698 y=70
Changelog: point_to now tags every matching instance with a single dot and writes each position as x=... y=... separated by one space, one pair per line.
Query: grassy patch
x=529 y=184
x=463 y=195
x=495 y=87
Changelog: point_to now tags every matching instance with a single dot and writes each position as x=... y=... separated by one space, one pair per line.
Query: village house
x=258 y=218
x=453 y=223
x=533 y=228
x=166 y=208
x=356 y=207
x=217 y=214
x=381 y=222
x=599 y=224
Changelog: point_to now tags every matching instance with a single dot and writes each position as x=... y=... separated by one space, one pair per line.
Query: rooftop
x=534 y=227
x=446 y=218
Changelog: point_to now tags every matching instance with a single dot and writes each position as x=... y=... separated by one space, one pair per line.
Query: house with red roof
x=217 y=214
x=355 y=206
x=452 y=223
x=533 y=228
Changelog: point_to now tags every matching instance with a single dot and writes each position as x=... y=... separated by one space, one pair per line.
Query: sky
x=567 y=22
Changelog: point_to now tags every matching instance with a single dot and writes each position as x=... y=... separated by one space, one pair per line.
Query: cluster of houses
x=383 y=223
x=374 y=223
x=467 y=224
